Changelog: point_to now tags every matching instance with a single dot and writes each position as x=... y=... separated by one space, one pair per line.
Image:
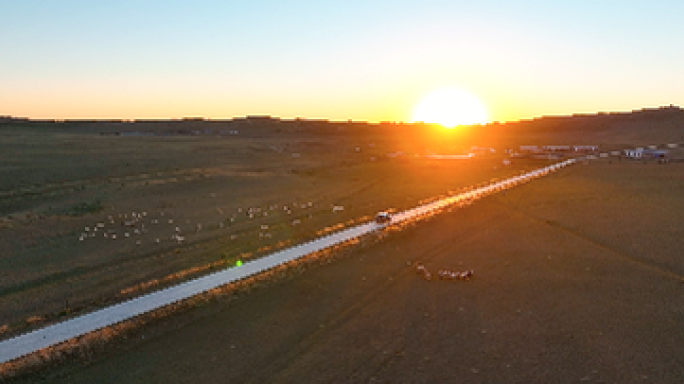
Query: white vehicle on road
x=383 y=217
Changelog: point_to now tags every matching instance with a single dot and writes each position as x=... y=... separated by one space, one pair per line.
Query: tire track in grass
x=142 y=303
x=284 y=359
x=622 y=256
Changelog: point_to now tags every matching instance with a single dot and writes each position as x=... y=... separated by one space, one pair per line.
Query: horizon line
x=323 y=120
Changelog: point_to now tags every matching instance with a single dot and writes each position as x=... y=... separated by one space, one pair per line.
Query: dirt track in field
x=573 y=282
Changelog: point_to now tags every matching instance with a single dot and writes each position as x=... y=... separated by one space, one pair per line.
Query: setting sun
x=450 y=107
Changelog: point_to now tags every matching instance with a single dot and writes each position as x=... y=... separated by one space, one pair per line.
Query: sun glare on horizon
x=450 y=107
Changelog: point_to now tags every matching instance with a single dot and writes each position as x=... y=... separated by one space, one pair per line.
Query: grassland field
x=578 y=277
x=200 y=188
x=618 y=213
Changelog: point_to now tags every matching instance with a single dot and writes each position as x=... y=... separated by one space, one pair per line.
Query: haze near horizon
x=360 y=61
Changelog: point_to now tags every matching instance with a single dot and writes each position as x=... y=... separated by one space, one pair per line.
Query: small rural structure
x=449 y=157
x=480 y=151
x=585 y=148
x=556 y=148
x=530 y=148
x=640 y=153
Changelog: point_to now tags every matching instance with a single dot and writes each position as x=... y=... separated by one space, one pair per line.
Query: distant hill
x=657 y=125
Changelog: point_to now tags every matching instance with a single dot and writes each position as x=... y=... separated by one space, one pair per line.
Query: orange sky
x=352 y=60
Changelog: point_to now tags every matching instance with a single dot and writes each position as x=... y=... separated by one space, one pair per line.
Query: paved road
x=42 y=338
x=553 y=300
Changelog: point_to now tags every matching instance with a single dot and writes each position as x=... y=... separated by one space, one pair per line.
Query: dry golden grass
x=40 y=219
x=558 y=295
x=84 y=346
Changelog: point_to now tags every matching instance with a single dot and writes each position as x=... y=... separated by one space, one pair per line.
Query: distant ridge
x=670 y=112
x=646 y=113
x=240 y=119
x=638 y=113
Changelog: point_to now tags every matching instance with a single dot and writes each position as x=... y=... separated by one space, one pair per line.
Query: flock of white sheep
x=163 y=227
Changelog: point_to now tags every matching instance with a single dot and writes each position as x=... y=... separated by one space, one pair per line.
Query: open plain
x=573 y=282
x=577 y=275
x=93 y=220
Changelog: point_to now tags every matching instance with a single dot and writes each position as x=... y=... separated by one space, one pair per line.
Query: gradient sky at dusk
x=361 y=60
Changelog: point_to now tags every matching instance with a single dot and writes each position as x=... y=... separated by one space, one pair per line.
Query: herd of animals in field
x=163 y=226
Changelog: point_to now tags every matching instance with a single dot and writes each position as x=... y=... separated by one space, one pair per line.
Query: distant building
x=633 y=153
x=556 y=148
x=450 y=157
x=482 y=150
x=585 y=148
x=656 y=153
x=529 y=148
x=640 y=153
